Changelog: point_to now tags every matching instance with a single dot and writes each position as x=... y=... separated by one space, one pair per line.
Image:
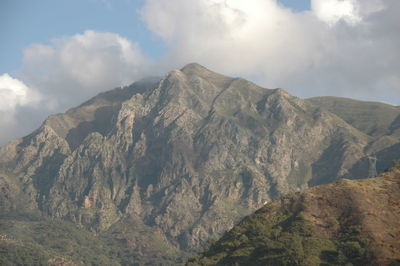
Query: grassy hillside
x=29 y=239
x=350 y=222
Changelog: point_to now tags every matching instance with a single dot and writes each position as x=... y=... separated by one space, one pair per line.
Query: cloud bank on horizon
x=340 y=47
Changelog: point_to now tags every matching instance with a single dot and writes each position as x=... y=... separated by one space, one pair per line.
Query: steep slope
x=183 y=159
x=350 y=221
x=372 y=118
x=378 y=120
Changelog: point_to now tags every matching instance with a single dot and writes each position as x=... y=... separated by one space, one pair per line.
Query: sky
x=55 y=54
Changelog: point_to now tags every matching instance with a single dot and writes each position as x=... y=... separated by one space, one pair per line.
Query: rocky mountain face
x=349 y=222
x=186 y=157
x=379 y=121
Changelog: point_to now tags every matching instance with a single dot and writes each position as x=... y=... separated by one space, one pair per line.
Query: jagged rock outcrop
x=186 y=156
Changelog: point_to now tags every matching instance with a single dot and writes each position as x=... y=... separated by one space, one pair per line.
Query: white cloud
x=236 y=36
x=344 y=48
x=331 y=11
x=341 y=47
x=14 y=95
x=75 y=68
x=65 y=73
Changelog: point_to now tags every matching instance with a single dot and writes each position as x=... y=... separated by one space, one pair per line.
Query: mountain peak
x=194 y=67
x=281 y=91
x=199 y=70
x=179 y=160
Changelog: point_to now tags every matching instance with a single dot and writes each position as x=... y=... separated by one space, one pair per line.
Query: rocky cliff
x=184 y=158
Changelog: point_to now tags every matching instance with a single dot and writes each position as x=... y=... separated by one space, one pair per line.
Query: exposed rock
x=188 y=156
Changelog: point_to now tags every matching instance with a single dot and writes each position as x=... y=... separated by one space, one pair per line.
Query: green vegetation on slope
x=283 y=239
x=32 y=240
x=345 y=223
x=28 y=239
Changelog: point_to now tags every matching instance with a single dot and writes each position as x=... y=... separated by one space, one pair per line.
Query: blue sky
x=298 y=5
x=24 y=22
x=55 y=54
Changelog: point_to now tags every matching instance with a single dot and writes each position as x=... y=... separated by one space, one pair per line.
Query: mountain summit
x=182 y=159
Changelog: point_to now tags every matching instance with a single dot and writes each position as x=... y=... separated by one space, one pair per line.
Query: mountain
x=349 y=222
x=373 y=118
x=165 y=165
x=378 y=120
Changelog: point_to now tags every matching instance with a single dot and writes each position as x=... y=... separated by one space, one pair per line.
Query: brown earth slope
x=350 y=221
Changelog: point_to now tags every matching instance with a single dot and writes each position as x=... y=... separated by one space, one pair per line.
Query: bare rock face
x=187 y=156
